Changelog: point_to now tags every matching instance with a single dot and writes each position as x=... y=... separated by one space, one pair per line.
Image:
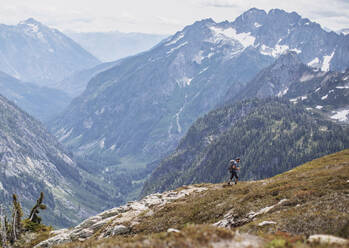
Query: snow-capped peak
x=245 y=39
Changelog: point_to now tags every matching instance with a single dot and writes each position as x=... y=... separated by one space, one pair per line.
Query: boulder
x=328 y=239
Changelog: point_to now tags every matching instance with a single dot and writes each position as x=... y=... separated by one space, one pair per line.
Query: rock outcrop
x=117 y=221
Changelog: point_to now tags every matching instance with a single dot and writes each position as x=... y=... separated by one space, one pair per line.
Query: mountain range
x=145 y=104
x=33 y=52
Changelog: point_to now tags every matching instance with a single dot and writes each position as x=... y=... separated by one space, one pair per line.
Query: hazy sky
x=159 y=16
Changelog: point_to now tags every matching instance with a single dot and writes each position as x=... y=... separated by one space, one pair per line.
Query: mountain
x=31 y=161
x=33 y=52
x=145 y=104
x=344 y=31
x=110 y=46
x=325 y=92
x=288 y=210
x=75 y=84
x=271 y=136
x=330 y=97
x=41 y=102
x=276 y=79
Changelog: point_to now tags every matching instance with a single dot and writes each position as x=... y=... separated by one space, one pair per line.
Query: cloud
x=330 y=13
x=220 y=3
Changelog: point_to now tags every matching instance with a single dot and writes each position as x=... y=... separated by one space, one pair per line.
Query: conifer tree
x=16 y=218
x=3 y=230
x=34 y=217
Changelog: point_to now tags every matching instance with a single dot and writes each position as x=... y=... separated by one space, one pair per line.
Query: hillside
x=271 y=136
x=33 y=52
x=40 y=102
x=282 y=211
x=32 y=160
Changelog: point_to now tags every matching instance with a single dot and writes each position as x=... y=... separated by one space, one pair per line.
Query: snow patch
x=198 y=58
x=101 y=143
x=282 y=92
x=179 y=128
x=296 y=50
x=177 y=47
x=99 y=112
x=257 y=25
x=342 y=115
x=306 y=77
x=183 y=82
x=246 y=39
x=273 y=52
x=317 y=89
x=203 y=70
x=326 y=62
x=343 y=87
x=175 y=39
x=314 y=63
x=112 y=148
x=319 y=107
x=66 y=135
x=210 y=55
x=324 y=97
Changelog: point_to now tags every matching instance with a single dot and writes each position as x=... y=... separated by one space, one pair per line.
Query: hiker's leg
x=236 y=178
x=231 y=178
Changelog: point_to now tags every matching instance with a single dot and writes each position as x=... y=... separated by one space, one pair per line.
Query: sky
x=159 y=16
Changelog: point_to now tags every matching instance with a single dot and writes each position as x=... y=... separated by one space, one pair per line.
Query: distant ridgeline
x=33 y=52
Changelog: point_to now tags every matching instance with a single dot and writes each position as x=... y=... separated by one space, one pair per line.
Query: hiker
x=233 y=168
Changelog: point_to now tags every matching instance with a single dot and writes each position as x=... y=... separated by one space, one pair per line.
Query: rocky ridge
x=118 y=221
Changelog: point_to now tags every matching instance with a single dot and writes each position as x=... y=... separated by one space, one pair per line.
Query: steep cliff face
x=31 y=161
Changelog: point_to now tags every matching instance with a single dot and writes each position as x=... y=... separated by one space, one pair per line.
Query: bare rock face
x=231 y=220
x=327 y=239
x=117 y=221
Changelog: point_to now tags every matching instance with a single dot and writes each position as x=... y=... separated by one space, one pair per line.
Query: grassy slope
x=318 y=200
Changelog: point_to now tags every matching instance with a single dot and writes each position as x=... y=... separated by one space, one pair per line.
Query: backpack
x=232 y=166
